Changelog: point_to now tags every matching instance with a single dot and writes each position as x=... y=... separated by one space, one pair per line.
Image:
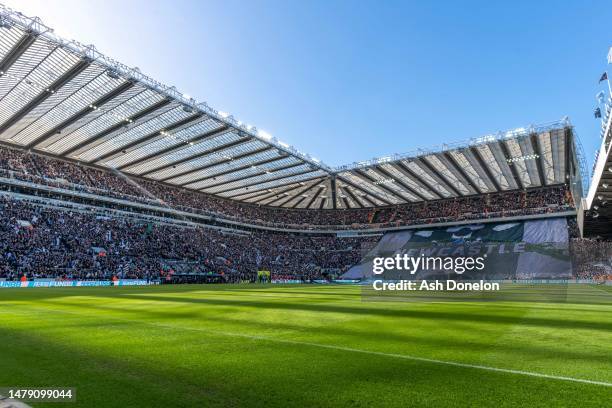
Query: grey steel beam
x=310 y=170
x=314 y=197
x=385 y=173
x=485 y=168
x=284 y=200
x=214 y=150
x=276 y=193
x=439 y=178
x=224 y=161
x=381 y=186
x=82 y=113
x=68 y=76
x=195 y=156
x=511 y=164
x=366 y=199
x=17 y=51
x=262 y=193
x=302 y=193
x=258 y=174
x=353 y=196
x=290 y=183
x=568 y=146
x=346 y=203
x=298 y=202
x=134 y=119
x=333 y=191
x=356 y=187
x=175 y=148
x=457 y=167
x=536 y=148
x=407 y=172
x=268 y=195
x=144 y=139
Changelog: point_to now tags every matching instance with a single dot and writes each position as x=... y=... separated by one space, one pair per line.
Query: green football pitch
x=293 y=346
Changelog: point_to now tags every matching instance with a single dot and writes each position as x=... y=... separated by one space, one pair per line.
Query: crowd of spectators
x=43 y=242
x=51 y=242
x=42 y=169
x=591 y=258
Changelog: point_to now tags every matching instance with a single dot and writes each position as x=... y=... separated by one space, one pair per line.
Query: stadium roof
x=67 y=99
x=598 y=220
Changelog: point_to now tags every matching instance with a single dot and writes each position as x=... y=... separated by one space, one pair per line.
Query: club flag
x=604 y=76
x=597 y=113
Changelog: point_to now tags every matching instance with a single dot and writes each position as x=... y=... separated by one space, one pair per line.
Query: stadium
x=157 y=251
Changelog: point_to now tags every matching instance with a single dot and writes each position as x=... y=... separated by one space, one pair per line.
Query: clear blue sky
x=351 y=80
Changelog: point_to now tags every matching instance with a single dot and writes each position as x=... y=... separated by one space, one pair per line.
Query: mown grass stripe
x=334 y=347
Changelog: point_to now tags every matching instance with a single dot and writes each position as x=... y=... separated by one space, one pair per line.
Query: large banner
x=535 y=249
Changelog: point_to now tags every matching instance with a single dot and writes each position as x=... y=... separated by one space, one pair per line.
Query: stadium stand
x=21 y=165
x=129 y=178
x=58 y=241
x=591 y=259
x=46 y=242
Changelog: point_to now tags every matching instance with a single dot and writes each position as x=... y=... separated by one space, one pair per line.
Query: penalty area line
x=339 y=348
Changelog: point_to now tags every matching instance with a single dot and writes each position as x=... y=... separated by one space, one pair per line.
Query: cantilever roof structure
x=66 y=99
x=598 y=218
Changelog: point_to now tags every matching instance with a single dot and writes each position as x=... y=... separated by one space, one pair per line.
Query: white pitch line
x=352 y=350
x=392 y=355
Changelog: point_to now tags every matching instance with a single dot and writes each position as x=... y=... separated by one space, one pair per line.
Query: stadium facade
x=82 y=133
